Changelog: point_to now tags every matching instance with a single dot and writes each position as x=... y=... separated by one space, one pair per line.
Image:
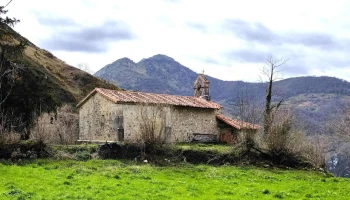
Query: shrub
x=246 y=140
x=83 y=155
x=279 y=135
x=9 y=138
x=24 y=150
x=288 y=145
x=152 y=122
x=57 y=128
x=151 y=129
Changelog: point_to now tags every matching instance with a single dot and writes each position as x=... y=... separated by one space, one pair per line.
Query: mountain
x=313 y=100
x=41 y=82
x=159 y=74
x=63 y=82
x=162 y=74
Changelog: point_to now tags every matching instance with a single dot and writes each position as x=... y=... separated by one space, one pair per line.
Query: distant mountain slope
x=159 y=74
x=162 y=74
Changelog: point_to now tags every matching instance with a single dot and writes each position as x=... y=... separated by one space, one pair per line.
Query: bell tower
x=201 y=87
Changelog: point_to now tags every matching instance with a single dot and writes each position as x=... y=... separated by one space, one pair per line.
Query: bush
x=287 y=145
x=246 y=140
x=152 y=124
x=279 y=136
x=24 y=150
x=57 y=128
x=9 y=138
x=83 y=155
x=77 y=152
x=152 y=127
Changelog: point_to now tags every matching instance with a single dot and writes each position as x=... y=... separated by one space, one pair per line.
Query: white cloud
x=315 y=35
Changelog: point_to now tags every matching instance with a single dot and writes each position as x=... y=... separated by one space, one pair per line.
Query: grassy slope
x=107 y=179
x=60 y=79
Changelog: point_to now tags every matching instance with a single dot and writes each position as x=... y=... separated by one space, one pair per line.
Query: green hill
x=41 y=83
x=162 y=74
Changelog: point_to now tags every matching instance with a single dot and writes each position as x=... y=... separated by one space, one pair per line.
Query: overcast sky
x=230 y=40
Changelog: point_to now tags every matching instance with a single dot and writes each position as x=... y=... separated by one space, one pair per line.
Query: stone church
x=112 y=116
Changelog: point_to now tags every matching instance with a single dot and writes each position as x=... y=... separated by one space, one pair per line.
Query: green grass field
x=220 y=148
x=110 y=179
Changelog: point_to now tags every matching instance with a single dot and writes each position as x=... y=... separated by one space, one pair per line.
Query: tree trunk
x=267 y=112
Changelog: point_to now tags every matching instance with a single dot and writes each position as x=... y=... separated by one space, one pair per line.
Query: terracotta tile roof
x=238 y=124
x=142 y=97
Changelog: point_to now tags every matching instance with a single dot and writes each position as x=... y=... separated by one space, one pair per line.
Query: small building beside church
x=110 y=115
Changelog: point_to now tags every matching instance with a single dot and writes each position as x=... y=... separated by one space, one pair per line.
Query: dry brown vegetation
x=287 y=141
x=152 y=124
x=70 y=79
x=57 y=128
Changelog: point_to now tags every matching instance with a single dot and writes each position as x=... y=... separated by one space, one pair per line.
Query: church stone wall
x=100 y=120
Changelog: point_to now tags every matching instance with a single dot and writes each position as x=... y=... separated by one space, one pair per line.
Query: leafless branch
x=8 y=4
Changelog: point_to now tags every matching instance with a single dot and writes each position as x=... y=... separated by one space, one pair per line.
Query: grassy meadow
x=111 y=179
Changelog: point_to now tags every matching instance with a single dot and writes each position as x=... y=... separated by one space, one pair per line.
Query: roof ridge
x=239 y=124
x=150 y=93
x=152 y=98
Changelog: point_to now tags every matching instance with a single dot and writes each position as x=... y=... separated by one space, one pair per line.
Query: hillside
x=162 y=74
x=63 y=82
x=39 y=82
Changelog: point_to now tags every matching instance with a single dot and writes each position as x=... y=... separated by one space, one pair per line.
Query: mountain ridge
x=170 y=74
x=162 y=74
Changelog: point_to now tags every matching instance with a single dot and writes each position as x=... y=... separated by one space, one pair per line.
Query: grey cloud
x=295 y=66
x=200 y=27
x=312 y=39
x=206 y=59
x=259 y=33
x=73 y=36
x=50 y=21
x=70 y=44
x=108 y=31
x=295 y=69
x=245 y=55
x=306 y=50
x=336 y=61
x=251 y=31
x=210 y=60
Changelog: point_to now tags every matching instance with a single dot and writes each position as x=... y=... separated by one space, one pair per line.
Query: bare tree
x=85 y=67
x=272 y=73
x=8 y=70
x=247 y=106
x=8 y=73
x=6 y=20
